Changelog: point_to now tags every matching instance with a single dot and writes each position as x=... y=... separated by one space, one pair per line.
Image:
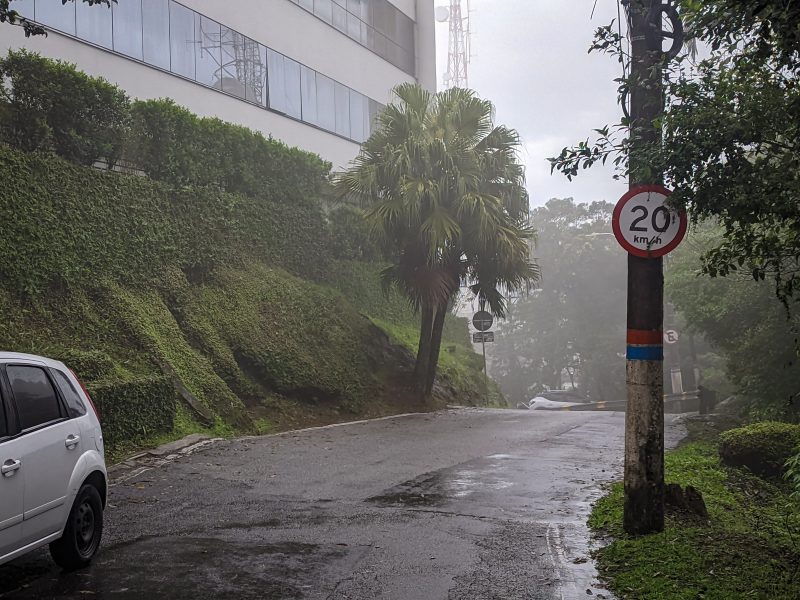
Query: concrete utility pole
x=644 y=418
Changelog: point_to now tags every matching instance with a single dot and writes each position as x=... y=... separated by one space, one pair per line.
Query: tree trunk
x=436 y=345
x=424 y=349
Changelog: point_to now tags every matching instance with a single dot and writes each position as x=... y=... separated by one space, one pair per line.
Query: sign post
x=482 y=321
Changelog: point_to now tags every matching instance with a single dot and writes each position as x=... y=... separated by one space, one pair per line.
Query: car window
x=3 y=420
x=34 y=396
x=75 y=405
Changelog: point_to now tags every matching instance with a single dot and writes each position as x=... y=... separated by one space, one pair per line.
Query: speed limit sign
x=644 y=225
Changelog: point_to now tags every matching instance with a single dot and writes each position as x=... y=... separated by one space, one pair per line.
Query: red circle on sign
x=630 y=248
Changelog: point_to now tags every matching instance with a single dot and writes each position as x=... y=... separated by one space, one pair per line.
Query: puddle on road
x=436 y=489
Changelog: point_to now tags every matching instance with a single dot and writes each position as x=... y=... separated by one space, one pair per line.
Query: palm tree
x=444 y=194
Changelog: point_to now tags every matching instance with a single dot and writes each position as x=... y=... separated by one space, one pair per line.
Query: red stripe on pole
x=648 y=337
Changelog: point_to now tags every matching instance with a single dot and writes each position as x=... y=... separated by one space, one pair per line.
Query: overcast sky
x=530 y=58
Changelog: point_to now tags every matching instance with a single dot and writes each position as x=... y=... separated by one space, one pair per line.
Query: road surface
x=460 y=504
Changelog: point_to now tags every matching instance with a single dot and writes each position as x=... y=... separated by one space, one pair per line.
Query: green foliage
x=746 y=551
x=265 y=331
x=171 y=144
x=49 y=105
x=792 y=474
x=134 y=409
x=575 y=323
x=764 y=447
x=731 y=136
x=760 y=350
x=350 y=235
x=82 y=225
x=12 y=17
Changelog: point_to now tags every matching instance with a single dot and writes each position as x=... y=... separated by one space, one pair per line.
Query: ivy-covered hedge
x=50 y=105
x=65 y=225
x=135 y=409
x=762 y=447
x=172 y=144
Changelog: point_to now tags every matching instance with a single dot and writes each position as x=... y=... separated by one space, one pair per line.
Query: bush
x=763 y=447
x=71 y=226
x=49 y=105
x=170 y=143
x=136 y=409
x=350 y=236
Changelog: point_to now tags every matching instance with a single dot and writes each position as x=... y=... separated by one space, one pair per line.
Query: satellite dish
x=442 y=14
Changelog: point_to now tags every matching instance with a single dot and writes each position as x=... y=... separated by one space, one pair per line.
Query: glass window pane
x=307 y=4
x=155 y=32
x=56 y=15
x=340 y=18
x=232 y=53
x=128 y=27
x=364 y=39
x=34 y=396
x=324 y=10
x=342 y=106
x=275 y=79
x=24 y=8
x=181 y=40
x=207 y=52
x=405 y=34
x=258 y=91
x=353 y=27
x=3 y=422
x=308 y=89
x=356 y=116
x=93 y=23
x=75 y=405
x=291 y=74
x=326 y=103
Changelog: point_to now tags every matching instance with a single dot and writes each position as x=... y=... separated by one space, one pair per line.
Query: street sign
x=644 y=225
x=485 y=337
x=671 y=336
x=482 y=320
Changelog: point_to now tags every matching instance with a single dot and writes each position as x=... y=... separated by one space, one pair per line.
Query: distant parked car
x=53 y=472
x=554 y=399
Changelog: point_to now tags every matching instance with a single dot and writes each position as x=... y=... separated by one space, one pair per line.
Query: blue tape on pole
x=645 y=353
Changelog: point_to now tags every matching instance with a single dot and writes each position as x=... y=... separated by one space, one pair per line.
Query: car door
x=12 y=483
x=51 y=449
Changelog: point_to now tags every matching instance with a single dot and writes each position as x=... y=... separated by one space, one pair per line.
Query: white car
x=53 y=472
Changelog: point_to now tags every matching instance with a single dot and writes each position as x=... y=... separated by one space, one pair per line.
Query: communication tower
x=459 y=48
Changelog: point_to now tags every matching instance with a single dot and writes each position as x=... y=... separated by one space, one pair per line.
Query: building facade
x=312 y=73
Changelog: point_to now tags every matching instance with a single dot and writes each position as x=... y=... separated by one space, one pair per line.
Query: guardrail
x=673 y=404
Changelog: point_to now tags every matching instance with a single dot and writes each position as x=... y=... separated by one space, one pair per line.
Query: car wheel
x=81 y=539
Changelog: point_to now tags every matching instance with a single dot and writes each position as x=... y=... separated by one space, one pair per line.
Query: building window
x=181 y=40
x=308 y=89
x=155 y=33
x=170 y=36
x=208 y=49
x=127 y=21
x=342 y=107
x=93 y=24
x=326 y=102
x=52 y=13
x=358 y=112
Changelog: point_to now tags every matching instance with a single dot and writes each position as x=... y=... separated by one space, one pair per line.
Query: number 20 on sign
x=644 y=225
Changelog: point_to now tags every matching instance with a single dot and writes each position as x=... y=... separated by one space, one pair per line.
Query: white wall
x=279 y=24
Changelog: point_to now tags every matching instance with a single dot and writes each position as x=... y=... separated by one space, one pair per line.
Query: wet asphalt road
x=461 y=504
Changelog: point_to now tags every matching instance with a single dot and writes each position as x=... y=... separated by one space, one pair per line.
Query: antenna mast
x=459 y=51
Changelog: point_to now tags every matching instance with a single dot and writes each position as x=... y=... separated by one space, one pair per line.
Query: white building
x=312 y=73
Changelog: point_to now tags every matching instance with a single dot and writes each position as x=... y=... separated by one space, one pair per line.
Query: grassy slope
x=750 y=548
x=261 y=349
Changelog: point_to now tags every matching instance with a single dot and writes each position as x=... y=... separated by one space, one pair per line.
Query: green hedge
x=763 y=447
x=134 y=410
x=172 y=144
x=66 y=225
x=49 y=105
